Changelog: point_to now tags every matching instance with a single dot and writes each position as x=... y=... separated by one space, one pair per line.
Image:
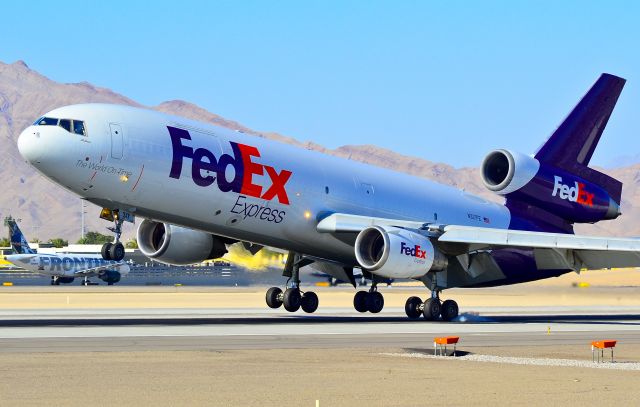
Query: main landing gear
x=432 y=309
x=292 y=298
x=371 y=300
x=115 y=250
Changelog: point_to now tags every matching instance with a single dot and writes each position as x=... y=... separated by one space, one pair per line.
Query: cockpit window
x=78 y=127
x=65 y=124
x=46 y=121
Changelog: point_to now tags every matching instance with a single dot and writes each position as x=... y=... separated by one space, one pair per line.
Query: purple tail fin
x=571 y=146
x=556 y=188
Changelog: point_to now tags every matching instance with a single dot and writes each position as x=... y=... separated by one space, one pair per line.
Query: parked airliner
x=63 y=268
x=201 y=187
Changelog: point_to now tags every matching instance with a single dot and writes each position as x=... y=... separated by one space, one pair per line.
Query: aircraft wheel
x=273 y=297
x=291 y=299
x=431 y=309
x=309 y=302
x=449 y=310
x=360 y=301
x=412 y=307
x=116 y=251
x=106 y=251
x=376 y=302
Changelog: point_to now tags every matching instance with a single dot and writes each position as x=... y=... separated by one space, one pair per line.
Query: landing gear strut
x=115 y=250
x=432 y=309
x=292 y=298
x=371 y=300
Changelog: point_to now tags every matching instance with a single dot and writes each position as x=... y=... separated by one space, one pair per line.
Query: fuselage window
x=65 y=124
x=78 y=127
x=46 y=121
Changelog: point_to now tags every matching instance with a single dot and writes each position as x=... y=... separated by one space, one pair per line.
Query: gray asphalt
x=220 y=329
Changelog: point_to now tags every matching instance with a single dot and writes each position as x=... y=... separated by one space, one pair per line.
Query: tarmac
x=521 y=345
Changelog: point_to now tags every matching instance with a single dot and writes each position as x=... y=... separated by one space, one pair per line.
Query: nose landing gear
x=115 y=250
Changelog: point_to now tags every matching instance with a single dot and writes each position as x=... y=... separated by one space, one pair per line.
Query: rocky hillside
x=48 y=211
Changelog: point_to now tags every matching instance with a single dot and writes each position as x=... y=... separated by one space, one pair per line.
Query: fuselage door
x=117 y=141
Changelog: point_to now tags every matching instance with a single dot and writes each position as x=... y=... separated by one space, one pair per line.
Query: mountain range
x=47 y=211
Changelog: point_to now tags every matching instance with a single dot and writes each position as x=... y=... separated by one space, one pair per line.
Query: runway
x=220 y=347
x=223 y=329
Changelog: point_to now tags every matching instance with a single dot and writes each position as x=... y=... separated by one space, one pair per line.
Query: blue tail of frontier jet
x=18 y=241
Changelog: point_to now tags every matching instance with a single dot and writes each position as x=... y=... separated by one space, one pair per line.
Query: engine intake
x=504 y=171
x=527 y=183
x=176 y=245
x=397 y=253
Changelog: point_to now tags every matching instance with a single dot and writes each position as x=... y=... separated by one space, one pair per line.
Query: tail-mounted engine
x=526 y=180
x=397 y=253
x=176 y=245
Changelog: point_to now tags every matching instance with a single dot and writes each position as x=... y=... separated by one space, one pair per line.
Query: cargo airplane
x=201 y=187
x=62 y=268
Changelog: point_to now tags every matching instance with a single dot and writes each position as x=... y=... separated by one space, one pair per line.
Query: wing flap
x=518 y=238
x=552 y=250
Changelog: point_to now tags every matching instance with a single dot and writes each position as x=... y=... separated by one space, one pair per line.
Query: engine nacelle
x=504 y=171
x=525 y=180
x=397 y=253
x=176 y=245
x=110 y=276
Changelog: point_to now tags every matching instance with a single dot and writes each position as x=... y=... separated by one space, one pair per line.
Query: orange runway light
x=598 y=347
x=442 y=342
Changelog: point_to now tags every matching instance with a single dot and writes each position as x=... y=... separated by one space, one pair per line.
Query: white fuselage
x=64 y=265
x=232 y=184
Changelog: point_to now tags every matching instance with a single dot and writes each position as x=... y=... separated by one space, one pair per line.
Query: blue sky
x=446 y=80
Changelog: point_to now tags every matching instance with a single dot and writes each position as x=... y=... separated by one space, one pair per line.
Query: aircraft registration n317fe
x=201 y=187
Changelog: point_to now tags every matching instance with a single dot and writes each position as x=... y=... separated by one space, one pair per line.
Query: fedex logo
x=413 y=251
x=577 y=193
x=207 y=169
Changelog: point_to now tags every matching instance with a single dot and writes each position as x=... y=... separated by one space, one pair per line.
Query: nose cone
x=29 y=145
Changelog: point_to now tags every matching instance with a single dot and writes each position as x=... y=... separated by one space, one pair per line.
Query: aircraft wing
x=343 y=222
x=551 y=250
x=97 y=270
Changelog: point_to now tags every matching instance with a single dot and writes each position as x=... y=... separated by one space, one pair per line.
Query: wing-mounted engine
x=110 y=276
x=526 y=182
x=397 y=253
x=176 y=245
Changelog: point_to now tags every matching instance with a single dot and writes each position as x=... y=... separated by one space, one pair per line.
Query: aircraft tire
x=272 y=297
x=309 y=302
x=291 y=299
x=449 y=310
x=106 y=251
x=361 y=301
x=116 y=251
x=431 y=309
x=376 y=302
x=412 y=307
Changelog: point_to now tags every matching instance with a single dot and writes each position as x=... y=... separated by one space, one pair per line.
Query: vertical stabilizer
x=571 y=146
x=18 y=241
